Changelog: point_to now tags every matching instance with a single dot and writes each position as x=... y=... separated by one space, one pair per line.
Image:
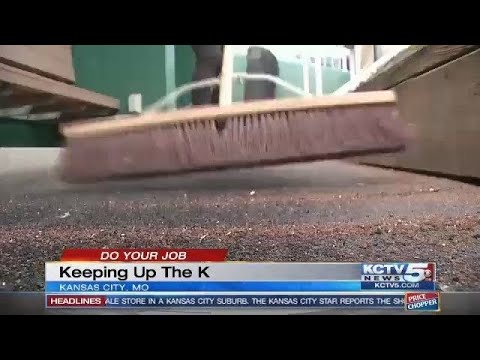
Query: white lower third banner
x=241 y=285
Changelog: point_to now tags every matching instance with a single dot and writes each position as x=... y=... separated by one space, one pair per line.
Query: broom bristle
x=240 y=141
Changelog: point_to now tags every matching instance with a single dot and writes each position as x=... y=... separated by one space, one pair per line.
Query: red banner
x=145 y=255
x=76 y=300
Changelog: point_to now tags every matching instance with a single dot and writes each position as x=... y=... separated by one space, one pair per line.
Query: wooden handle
x=226 y=77
x=99 y=127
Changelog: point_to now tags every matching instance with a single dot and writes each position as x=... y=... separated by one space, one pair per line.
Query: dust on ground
x=325 y=211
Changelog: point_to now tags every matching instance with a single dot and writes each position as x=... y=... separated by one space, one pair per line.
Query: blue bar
x=398 y=286
x=211 y=286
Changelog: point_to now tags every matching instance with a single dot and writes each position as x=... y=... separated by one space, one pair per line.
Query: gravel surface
x=325 y=211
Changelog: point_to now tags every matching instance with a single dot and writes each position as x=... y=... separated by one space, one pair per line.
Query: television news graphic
x=422 y=301
x=418 y=276
x=202 y=278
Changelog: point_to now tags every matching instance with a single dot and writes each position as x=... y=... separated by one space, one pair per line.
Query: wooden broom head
x=107 y=126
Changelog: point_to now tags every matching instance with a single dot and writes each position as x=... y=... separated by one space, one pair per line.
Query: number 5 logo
x=415 y=272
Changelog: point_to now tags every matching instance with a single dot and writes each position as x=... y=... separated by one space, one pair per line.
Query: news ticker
x=202 y=278
x=427 y=301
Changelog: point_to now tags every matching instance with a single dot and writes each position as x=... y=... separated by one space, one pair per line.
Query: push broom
x=254 y=133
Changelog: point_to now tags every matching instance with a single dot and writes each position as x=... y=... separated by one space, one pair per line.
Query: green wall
x=184 y=64
x=120 y=70
x=333 y=79
x=20 y=133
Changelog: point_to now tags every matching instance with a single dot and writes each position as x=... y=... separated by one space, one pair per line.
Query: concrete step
x=27 y=159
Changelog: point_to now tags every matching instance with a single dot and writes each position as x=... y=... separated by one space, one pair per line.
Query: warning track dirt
x=325 y=211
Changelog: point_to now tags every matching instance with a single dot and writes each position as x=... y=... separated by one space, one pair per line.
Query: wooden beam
x=36 y=83
x=53 y=61
x=5 y=89
x=18 y=100
x=63 y=107
x=442 y=107
x=425 y=59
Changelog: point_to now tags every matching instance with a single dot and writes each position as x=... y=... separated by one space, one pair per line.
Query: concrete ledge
x=25 y=159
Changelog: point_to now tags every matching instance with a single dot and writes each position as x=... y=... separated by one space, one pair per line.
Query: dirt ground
x=325 y=211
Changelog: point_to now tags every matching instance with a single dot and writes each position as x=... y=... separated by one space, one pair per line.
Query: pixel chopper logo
x=422 y=301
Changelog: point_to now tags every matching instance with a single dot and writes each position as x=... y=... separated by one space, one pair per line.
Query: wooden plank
x=149 y=119
x=53 y=61
x=443 y=107
x=61 y=53
x=425 y=59
x=37 y=83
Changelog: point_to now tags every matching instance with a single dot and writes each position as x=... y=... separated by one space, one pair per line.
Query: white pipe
x=358 y=58
x=170 y=68
x=352 y=64
x=170 y=99
x=306 y=73
x=318 y=77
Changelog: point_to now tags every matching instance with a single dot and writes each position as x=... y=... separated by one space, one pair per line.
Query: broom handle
x=226 y=76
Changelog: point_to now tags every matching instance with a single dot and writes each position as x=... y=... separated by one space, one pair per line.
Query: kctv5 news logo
x=398 y=276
